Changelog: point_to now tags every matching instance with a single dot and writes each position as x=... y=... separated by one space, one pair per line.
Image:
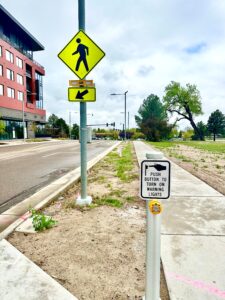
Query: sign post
x=81 y=55
x=83 y=122
x=155 y=184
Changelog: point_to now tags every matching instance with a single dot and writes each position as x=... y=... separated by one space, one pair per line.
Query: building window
x=10 y=74
x=1 y=90
x=9 y=56
x=0 y=50
x=19 y=63
x=1 y=70
x=11 y=93
x=19 y=79
x=20 y=96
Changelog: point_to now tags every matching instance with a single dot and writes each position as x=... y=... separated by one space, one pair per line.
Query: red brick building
x=21 y=84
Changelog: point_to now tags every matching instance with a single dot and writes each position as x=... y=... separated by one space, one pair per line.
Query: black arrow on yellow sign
x=81 y=95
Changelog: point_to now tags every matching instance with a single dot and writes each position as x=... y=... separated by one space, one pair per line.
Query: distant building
x=21 y=85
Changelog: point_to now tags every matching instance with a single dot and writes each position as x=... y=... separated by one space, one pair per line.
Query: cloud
x=148 y=43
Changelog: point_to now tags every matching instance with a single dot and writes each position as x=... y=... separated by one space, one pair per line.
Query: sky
x=148 y=44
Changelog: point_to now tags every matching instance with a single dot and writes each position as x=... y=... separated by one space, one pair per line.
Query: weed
x=41 y=221
x=117 y=193
x=130 y=198
x=107 y=200
x=109 y=186
x=186 y=160
x=218 y=166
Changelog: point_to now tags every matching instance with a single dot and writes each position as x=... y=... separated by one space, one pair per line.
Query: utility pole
x=125 y=112
x=24 y=125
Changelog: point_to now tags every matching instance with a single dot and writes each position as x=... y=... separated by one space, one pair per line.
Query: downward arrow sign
x=80 y=95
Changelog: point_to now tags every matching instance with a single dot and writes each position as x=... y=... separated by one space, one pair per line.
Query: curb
x=17 y=214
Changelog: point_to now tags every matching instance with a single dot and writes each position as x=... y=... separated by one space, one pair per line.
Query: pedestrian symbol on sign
x=83 y=51
x=81 y=54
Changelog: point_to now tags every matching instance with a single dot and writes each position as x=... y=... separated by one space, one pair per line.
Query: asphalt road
x=25 y=169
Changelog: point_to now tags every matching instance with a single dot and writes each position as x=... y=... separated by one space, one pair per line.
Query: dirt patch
x=96 y=252
x=209 y=167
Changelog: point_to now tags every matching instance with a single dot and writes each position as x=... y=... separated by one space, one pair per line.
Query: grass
x=213 y=147
x=36 y=140
x=163 y=145
x=123 y=164
x=109 y=201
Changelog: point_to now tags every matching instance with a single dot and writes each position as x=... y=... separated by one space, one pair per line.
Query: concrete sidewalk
x=192 y=236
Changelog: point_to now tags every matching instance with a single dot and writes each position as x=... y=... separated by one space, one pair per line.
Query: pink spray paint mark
x=209 y=288
x=25 y=217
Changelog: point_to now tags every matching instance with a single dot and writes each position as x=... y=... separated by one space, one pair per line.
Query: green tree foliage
x=52 y=120
x=188 y=134
x=138 y=135
x=203 y=130
x=185 y=101
x=62 y=127
x=2 y=127
x=75 y=132
x=58 y=126
x=216 y=123
x=152 y=119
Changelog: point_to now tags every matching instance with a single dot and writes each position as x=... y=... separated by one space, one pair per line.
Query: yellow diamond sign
x=79 y=94
x=81 y=54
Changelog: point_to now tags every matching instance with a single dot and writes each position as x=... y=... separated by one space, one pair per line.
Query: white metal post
x=153 y=247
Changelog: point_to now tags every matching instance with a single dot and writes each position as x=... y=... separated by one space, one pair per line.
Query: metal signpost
x=81 y=55
x=155 y=184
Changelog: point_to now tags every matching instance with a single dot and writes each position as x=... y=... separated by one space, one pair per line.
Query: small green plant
x=41 y=221
x=130 y=198
x=218 y=166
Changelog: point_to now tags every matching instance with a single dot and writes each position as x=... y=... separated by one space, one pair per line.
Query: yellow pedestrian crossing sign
x=82 y=94
x=81 y=54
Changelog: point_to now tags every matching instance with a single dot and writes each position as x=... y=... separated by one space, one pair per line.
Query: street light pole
x=24 y=125
x=125 y=111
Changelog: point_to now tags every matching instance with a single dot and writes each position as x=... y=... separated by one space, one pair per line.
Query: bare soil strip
x=208 y=166
x=97 y=252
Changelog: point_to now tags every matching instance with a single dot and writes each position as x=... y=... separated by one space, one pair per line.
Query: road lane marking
x=51 y=154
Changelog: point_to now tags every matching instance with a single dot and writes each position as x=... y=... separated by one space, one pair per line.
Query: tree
x=185 y=101
x=52 y=120
x=2 y=127
x=203 y=130
x=188 y=133
x=152 y=119
x=75 y=132
x=216 y=123
x=62 y=127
